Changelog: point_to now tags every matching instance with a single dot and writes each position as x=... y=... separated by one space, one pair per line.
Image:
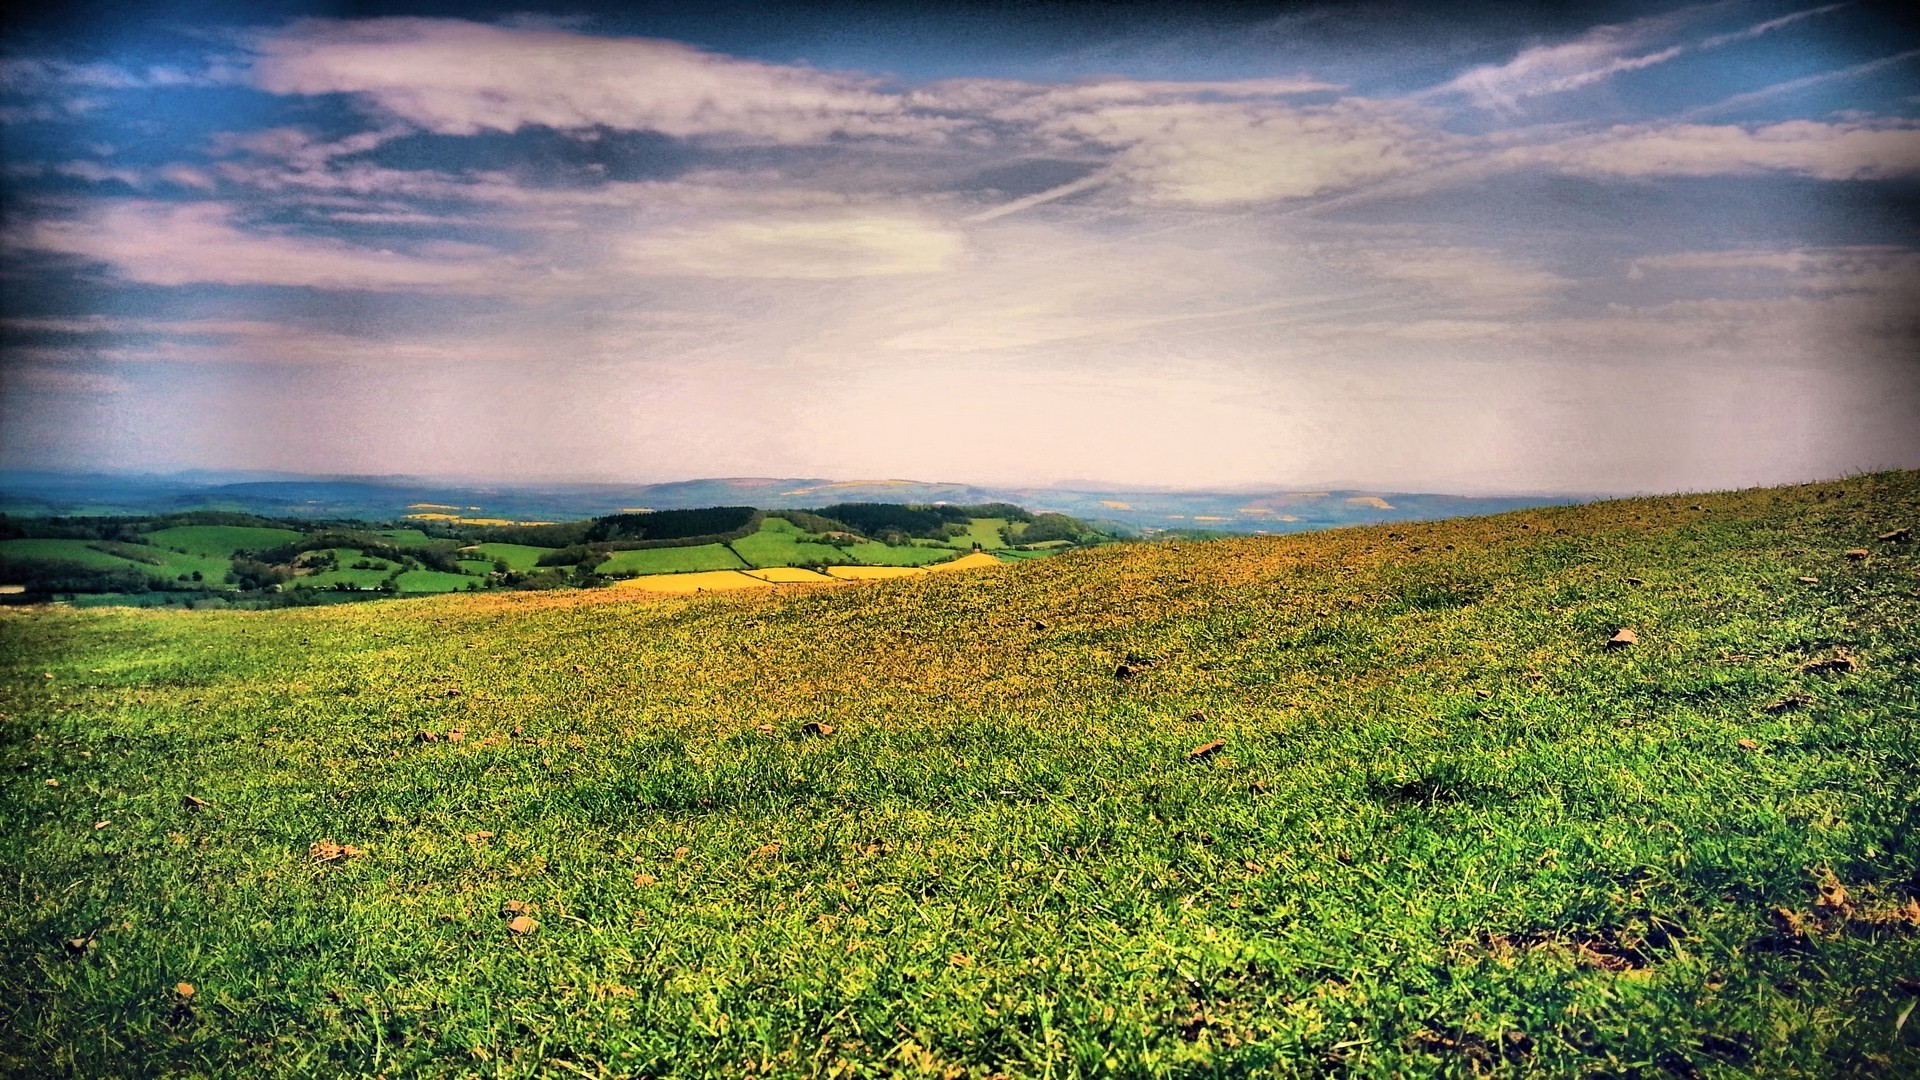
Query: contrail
x=1740 y=101
x=1091 y=180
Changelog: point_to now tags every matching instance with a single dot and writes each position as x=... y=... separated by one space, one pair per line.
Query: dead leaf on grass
x=192 y=802
x=1206 y=750
x=1839 y=663
x=423 y=735
x=1809 y=580
x=1791 y=701
x=1622 y=638
x=1748 y=744
x=682 y=852
x=1858 y=554
x=185 y=989
x=53 y=783
x=643 y=880
x=328 y=851
x=815 y=727
x=98 y=825
x=79 y=945
x=457 y=735
x=1896 y=536
x=766 y=850
x=521 y=924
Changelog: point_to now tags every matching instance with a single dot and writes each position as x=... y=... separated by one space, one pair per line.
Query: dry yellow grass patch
x=705 y=581
x=788 y=575
x=865 y=573
x=1115 y=504
x=1374 y=501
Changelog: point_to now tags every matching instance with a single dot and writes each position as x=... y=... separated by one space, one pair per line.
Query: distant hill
x=25 y=493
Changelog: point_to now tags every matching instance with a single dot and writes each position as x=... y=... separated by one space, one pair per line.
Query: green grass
x=70 y=551
x=476 y=567
x=1450 y=832
x=346 y=575
x=220 y=540
x=168 y=567
x=671 y=560
x=874 y=553
x=433 y=581
x=406 y=538
x=982 y=531
x=782 y=543
x=517 y=556
x=1018 y=555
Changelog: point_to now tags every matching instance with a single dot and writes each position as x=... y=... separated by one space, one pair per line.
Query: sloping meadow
x=1370 y=801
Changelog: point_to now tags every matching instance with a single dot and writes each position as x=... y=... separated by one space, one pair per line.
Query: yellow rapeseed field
x=704 y=581
x=788 y=575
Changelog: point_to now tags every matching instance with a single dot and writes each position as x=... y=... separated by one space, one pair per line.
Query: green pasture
x=780 y=542
x=77 y=552
x=221 y=540
x=1373 y=802
x=670 y=560
x=982 y=531
x=523 y=557
x=433 y=581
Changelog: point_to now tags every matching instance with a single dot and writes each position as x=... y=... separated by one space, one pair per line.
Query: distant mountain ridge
x=38 y=493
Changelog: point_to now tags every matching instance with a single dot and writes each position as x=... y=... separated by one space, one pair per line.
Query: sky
x=1600 y=248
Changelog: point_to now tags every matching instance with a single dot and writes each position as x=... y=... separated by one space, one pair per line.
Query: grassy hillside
x=1374 y=801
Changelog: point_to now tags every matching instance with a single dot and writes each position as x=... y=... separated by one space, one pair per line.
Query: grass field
x=221 y=540
x=167 y=565
x=406 y=538
x=518 y=556
x=671 y=560
x=433 y=581
x=780 y=542
x=982 y=531
x=346 y=575
x=1375 y=801
x=77 y=552
x=874 y=553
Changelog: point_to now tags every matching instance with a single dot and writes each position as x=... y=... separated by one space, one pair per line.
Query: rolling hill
x=1389 y=800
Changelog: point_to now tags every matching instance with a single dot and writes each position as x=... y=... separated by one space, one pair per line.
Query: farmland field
x=874 y=553
x=406 y=538
x=78 y=552
x=221 y=540
x=669 y=560
x=782 y=543
x=688 y=583
x=359 y=579
x=789 y=575
x=432 y=581
x=517 y=556
x=1376 y=801
x=982 y=531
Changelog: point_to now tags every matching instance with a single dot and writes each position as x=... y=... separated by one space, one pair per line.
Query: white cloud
x=1480 y=279
x=1205 y=153
x=160 y=243
x=1876 y=149
x=820 y=248
x=461 y=78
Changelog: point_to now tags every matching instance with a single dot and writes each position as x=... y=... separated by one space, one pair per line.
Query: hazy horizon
x=1597 y=249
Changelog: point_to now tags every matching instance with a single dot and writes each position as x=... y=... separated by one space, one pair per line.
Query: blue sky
x=1598 y=248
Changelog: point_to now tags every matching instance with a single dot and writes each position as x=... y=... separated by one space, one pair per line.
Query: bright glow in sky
x=1648 y=249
